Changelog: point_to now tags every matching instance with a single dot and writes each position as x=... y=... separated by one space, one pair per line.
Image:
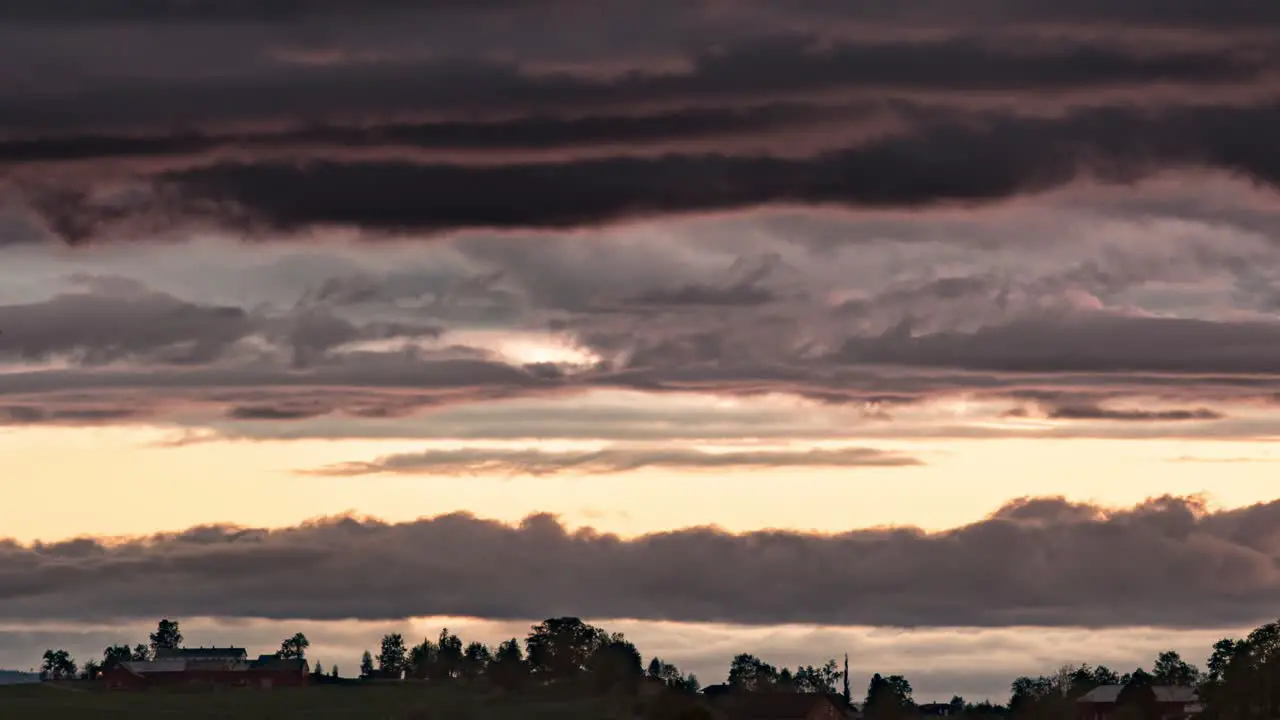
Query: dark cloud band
x=1110 y=568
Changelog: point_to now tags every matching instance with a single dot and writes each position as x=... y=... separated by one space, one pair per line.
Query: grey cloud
x=76 y=414
x=1085 y=342
x=609 y=460
x=740 y=308
x=740 y=75
x=1146 y=12
x=114 y=321
x=1112 y=568
x=1093 y=412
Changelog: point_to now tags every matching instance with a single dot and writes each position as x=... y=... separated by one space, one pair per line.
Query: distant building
x=782 y=706
x=935 y=709
x=1173 y=702
x=213 y=666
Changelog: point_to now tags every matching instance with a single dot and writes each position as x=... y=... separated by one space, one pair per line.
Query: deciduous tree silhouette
x=561 y=648
x=888 y=698
x=167 y=635
x=475 y=660
x=1171 y=669
x=114 y=655
x=810 y=679
x=670 y=675
x=58 y=665
x=294 y=647
x=509 y=670
x=392 y=656
x=750 y=673
x=615 y=664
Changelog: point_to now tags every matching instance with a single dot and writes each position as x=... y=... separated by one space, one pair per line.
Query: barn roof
x=1164 y=694
x=275 y=663
x=201 y=653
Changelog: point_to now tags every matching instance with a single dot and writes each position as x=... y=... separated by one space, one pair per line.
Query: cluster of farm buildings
x=229 y=666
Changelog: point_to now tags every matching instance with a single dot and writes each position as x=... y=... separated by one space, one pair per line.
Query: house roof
x=159 y=665
x=201 y=653
x=275 y=663
x=1164 y=694
x=778 y=706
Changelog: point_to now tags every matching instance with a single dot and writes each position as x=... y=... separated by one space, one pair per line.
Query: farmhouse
x=1171 y=702
x=782 y=706
x=227 y=667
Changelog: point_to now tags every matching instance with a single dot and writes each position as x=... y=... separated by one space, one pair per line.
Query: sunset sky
x=939 y=333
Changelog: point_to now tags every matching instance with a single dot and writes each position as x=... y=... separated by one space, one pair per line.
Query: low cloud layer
x=1110 y=320
x=1109 y=568
x=610 y=460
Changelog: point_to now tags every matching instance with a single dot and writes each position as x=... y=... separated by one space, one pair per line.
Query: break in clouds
x=1044 y=562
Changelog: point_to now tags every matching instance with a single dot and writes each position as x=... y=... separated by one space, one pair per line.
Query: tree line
x=1241 y=680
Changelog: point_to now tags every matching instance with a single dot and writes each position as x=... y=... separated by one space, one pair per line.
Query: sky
x=942 y=334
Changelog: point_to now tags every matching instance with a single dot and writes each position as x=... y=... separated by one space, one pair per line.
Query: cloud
x=1085 y=342
x=1003 y=157
x=113 y=320
x=1109 y=568
x=1093 y=412
x=609 y=460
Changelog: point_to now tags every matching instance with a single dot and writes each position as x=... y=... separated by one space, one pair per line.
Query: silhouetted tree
x=888 y=697
x=294 y=647
x=1171 y=669
x=141 y=653
x=114 y=655
x=1138 y=696
x=475 y=660
x=561 y=648
x=810 y=679
x=846 y=693
x=957 y=705
x=509 y=669
x=670 y=675
x=91 y=670
x=333 y=671
x=449 y=656
x=615 y=664
x=167 y=636
x=750 y=673
x=1243 y=681
x=366 y=664
x=392 y=656
x=58 y=665
x=422 y=660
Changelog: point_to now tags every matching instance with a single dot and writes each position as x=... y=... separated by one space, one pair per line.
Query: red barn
x=207 y=667
x=1172 y=702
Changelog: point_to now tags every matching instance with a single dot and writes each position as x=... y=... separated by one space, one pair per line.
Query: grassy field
x=382 y=702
